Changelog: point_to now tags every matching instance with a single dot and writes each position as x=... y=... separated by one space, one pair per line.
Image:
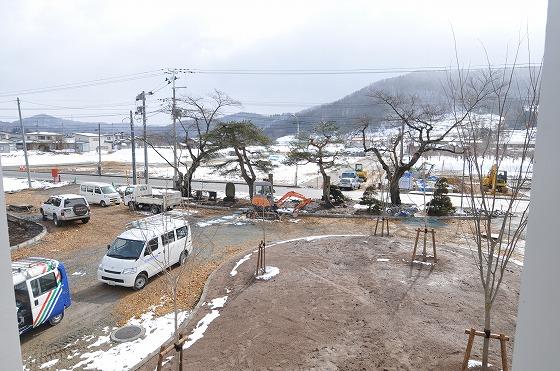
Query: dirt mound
x=21 y=230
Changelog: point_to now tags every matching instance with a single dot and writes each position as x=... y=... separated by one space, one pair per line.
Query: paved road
x=157 y=182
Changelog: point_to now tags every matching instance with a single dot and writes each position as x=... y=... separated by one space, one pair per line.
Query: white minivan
x=145 y=249
x=103 y=194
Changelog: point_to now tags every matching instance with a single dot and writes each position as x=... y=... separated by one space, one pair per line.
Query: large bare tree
x=419 y=127
x=197 y=116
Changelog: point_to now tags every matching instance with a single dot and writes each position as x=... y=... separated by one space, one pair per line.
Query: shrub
x=441 y=203
x=368 y=198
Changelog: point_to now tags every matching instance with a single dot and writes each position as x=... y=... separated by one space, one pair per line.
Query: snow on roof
x=42 y=133
x=86 y=134
x=27 y=268
x=69 y=195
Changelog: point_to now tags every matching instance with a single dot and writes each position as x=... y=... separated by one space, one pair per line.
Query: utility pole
x=24 y=145
x=133 y=144
x=99 y=148
x=297 y=136
x=174 y=116
x=142 y=97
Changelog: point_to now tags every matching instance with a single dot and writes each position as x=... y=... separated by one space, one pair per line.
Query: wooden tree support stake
x=503 y=350
x=261 y=259
x=424 y=254
x=384 y=222
x=177 y=347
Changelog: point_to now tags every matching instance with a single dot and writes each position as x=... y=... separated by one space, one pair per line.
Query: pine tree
x=441 y=203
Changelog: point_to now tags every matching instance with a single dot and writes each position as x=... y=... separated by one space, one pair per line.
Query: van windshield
x=108 y=189
x=125 y=249
x=348 y=175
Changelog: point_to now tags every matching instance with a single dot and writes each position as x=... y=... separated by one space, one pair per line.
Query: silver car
x=65 y=208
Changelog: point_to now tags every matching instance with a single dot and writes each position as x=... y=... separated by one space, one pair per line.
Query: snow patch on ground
x=474 y=363
x=361 y=207
x=218 y=302
x=233 y=272
x=269 y=273
x=125 y=355
x=382 y=260
x=48 y=364
x=201 y=328
x=421 y=262
x=227 y=220
x=80 y=274
x=18 y=184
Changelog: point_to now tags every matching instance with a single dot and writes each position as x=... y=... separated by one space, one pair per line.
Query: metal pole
x=296 y=175
x=99 y=148
x=133 y=144
x=145 y=137
x=174 y=116
x=24 y=144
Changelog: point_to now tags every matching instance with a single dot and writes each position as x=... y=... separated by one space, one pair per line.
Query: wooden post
x=434 y=244
x=160 y=358
x=387 y=227
x=471 y=333
x=415 y=245
x=376 y=223
x=424 y=252
x=382 y=226
x=504 y=353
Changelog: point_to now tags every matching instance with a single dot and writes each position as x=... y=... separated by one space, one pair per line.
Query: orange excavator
x=263 y=201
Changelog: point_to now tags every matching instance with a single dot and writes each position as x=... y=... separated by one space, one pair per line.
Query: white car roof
x=96 y=184
x=25 y=269
x=68 y=195
x=152 y=226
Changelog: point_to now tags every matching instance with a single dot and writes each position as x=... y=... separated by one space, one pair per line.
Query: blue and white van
x=41 y=290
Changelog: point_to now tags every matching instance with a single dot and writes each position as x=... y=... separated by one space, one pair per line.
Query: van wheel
x=140 y=281
x=56 y=222
x=154 y=209
x=183 y=258
x=43 y=216
x=53 y=321
x=131 y=205
x=85 y=220
x=102 y=203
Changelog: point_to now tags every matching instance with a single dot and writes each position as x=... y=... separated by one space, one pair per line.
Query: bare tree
x=247 y=142
x=196 y=116
x=488 y=142
x=422 y=126
x=321 y=146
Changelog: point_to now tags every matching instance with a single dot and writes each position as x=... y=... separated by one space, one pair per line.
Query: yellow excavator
x=359 y=168
x=495 y=180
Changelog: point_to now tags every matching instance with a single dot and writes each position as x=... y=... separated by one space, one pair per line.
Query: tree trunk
x=187 y=180
x=394 y=190
x=251 y=185
x=486 y=341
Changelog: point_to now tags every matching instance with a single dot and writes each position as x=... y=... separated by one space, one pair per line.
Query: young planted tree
x=495 y=238
x=247 y=142
x=440 y=203
x=419 y=127
x=197 y=117
x=321 y=146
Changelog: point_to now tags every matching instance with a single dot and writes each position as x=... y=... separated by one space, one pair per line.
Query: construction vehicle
x=361 y=172
x=264 y=206
x=495 y=180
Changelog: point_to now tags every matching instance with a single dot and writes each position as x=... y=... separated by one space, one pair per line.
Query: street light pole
x=99 y=148
x=142 y=97
x=133 y=145
x=297 y=136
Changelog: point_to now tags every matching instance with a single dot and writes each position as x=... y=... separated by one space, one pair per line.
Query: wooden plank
x=504 y=352
x=434 y=244
x=493 y=336
x=471 y=334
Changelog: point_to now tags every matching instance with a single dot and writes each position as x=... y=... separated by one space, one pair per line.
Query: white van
x=103 y=194
x=145 y=249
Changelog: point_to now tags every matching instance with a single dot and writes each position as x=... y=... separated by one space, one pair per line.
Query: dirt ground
x=335 y=306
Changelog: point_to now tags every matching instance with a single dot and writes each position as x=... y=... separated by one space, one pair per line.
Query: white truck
x=143 y=196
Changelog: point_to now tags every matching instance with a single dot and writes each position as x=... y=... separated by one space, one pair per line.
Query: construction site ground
x=348 y=303
x=220 y=235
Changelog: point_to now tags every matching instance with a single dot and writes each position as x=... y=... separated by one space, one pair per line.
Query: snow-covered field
x=17 y=184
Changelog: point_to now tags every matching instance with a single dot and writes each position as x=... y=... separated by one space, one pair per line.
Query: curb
x=31 y=241
x=201 y=300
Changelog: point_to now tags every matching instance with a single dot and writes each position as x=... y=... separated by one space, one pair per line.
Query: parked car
x=156 y=200
x=145 y=249
x=41 y=291
x=350 y=180
x=103 y=194
x=66 y=207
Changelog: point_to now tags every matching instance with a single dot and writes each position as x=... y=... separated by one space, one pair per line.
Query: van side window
x=152 y=246
x=168 y=237
x=83 y=188
x=56 y=202
x=129 y=191
x=181 y=232
x=90 y=189
x=98 y=190
x=43 y=284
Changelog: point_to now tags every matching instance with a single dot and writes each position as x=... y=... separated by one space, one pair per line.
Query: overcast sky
x=46 y=43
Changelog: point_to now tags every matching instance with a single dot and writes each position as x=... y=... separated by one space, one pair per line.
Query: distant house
x=42 y=141
x=85 y=142
x=6 y=146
